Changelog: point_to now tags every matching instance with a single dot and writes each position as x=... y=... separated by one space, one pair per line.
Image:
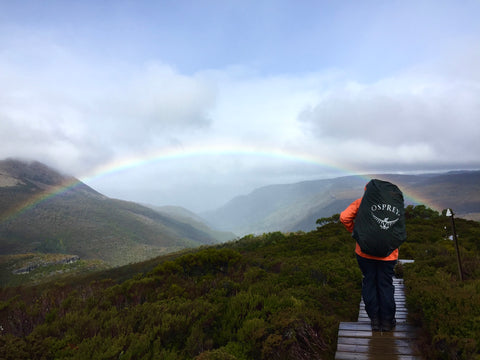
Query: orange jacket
x=347 y=218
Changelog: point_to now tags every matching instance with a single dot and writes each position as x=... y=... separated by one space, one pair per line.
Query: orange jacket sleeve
x=347 y=216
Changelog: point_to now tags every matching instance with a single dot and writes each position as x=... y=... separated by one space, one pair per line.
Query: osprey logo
x=385 y=223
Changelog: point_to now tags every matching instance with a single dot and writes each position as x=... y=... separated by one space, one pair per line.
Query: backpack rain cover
x=380 y=222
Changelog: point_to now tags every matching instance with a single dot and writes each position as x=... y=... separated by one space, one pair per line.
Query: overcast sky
x=193 y=102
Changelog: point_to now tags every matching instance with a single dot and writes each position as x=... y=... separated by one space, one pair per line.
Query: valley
x=48 y=213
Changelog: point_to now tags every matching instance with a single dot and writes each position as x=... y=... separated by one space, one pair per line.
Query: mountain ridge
x=296 y=207
x=80 y=221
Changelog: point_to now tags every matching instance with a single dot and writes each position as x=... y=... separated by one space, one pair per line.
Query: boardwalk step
x=357 y=341
x=368 y=356
x=364 y=326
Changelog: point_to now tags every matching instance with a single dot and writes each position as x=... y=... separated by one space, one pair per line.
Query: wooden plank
x=359 y=356
x=369 y=333
x=366 y=341
x=401 y=317
x=398 y=310
x=400 y=314
x=377 y=345
x=405 y=261
x=366 y=326
x=386 y=349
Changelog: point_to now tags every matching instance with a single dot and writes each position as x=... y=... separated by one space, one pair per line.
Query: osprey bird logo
x=385 y=223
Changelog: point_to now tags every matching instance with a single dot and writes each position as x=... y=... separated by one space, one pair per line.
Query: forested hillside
x=274 y=296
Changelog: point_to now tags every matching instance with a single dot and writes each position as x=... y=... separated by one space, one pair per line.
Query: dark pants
x=377 y=288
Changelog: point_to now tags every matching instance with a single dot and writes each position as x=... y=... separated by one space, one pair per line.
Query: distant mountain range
x=295 y=207
x=44 y=211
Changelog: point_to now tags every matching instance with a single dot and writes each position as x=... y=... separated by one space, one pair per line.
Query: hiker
x=377 y=222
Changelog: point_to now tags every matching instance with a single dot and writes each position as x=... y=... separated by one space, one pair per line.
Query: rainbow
x=177 y=153
x=37 y=199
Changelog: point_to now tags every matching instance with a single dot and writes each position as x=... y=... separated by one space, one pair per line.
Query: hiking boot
x=375 y=322
x=389 y=325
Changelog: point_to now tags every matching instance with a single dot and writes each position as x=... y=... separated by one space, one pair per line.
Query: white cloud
x=158 y=95
x=262 y=110
x=75 y=114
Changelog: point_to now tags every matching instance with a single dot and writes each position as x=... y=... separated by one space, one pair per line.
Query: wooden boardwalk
x=357 y=341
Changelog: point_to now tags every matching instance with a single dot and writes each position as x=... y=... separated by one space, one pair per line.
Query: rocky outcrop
x=33 y=266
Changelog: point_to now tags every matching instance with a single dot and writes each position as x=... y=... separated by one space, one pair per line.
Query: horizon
x=410 y=196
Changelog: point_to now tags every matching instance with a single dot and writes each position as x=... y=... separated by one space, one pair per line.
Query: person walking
x=377 y=223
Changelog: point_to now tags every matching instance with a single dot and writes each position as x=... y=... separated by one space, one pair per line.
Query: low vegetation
x=446 y=309
x=275 y=296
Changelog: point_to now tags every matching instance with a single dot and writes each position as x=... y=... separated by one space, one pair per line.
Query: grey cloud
x=380 y=119
x=157 y=95
x=393 y=115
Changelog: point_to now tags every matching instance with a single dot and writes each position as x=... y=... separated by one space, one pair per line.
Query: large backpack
x=380 y=222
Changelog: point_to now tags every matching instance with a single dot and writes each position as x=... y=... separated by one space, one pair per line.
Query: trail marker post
x=459 y=261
